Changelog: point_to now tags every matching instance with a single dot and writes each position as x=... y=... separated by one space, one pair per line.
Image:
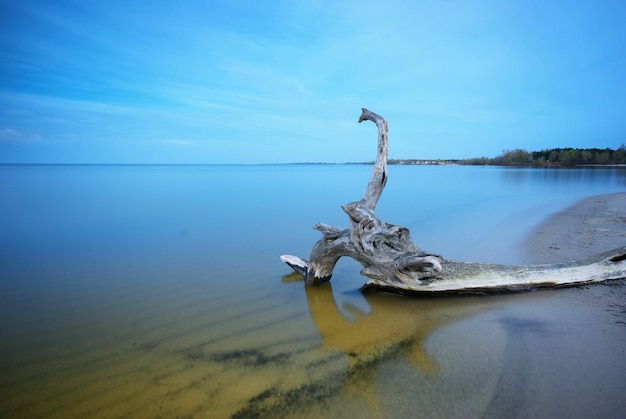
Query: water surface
x=154 y=291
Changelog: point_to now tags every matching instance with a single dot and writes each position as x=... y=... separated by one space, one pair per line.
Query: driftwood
x=394 y=263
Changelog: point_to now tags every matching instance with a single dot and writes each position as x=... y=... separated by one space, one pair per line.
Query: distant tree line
x=553 y=157
x=430 y=162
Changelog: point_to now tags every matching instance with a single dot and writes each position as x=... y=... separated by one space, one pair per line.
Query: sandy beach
x=566 y=348
x=593 y=225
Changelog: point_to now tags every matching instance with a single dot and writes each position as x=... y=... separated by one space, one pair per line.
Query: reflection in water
x=127 y=297
x=563 y=177
x=390 y=328
x=396 y=328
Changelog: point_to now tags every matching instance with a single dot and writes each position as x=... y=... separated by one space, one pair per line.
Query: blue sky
x=283 y=81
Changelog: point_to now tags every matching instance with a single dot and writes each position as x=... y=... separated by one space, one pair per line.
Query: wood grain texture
x=394 y=263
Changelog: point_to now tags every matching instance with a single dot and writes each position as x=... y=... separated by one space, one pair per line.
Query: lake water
x=157 y=291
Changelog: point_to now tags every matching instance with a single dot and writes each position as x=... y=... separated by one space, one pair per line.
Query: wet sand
x=562 y=352
x=574 y=365
x=593 y=225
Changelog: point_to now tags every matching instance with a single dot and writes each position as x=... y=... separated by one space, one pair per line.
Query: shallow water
x=157 y=291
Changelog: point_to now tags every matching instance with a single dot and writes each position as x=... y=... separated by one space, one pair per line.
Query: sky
x=284 y=81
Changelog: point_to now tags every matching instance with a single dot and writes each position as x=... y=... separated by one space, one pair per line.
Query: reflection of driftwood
x=393 y=262
x=392 y=330
x=375 y=336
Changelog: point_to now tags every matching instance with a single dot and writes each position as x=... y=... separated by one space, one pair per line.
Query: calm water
x=157 y=291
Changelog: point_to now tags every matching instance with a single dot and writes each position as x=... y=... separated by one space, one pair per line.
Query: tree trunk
x=393 y=263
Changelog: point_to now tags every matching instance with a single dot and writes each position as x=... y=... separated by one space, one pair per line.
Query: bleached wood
x=394 y=263
x=482 y=278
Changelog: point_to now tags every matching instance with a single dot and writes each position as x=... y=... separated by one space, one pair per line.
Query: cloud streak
x=290 y=79
x=176 y=141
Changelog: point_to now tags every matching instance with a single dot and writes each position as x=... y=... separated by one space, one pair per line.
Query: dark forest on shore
x=554 y=157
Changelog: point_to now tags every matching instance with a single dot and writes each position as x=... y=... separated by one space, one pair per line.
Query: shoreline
x=591 y=226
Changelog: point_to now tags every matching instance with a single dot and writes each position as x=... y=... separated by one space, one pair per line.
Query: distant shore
x=593 y=225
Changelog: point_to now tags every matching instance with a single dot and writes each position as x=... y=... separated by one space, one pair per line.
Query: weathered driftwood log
x=393 y=263
x=386 y=251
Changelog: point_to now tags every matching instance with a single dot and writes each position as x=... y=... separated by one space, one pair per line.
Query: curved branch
x=386 y=251
x=379 y=175
x=392 y=261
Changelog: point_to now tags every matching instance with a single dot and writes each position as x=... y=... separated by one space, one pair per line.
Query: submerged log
x=394 y=263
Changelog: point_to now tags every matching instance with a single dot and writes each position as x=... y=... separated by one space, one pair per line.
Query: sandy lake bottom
x=139 y=299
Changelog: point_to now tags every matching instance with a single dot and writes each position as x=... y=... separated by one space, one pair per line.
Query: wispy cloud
x=255 y=77
x=9 y=134
x=175 y=141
